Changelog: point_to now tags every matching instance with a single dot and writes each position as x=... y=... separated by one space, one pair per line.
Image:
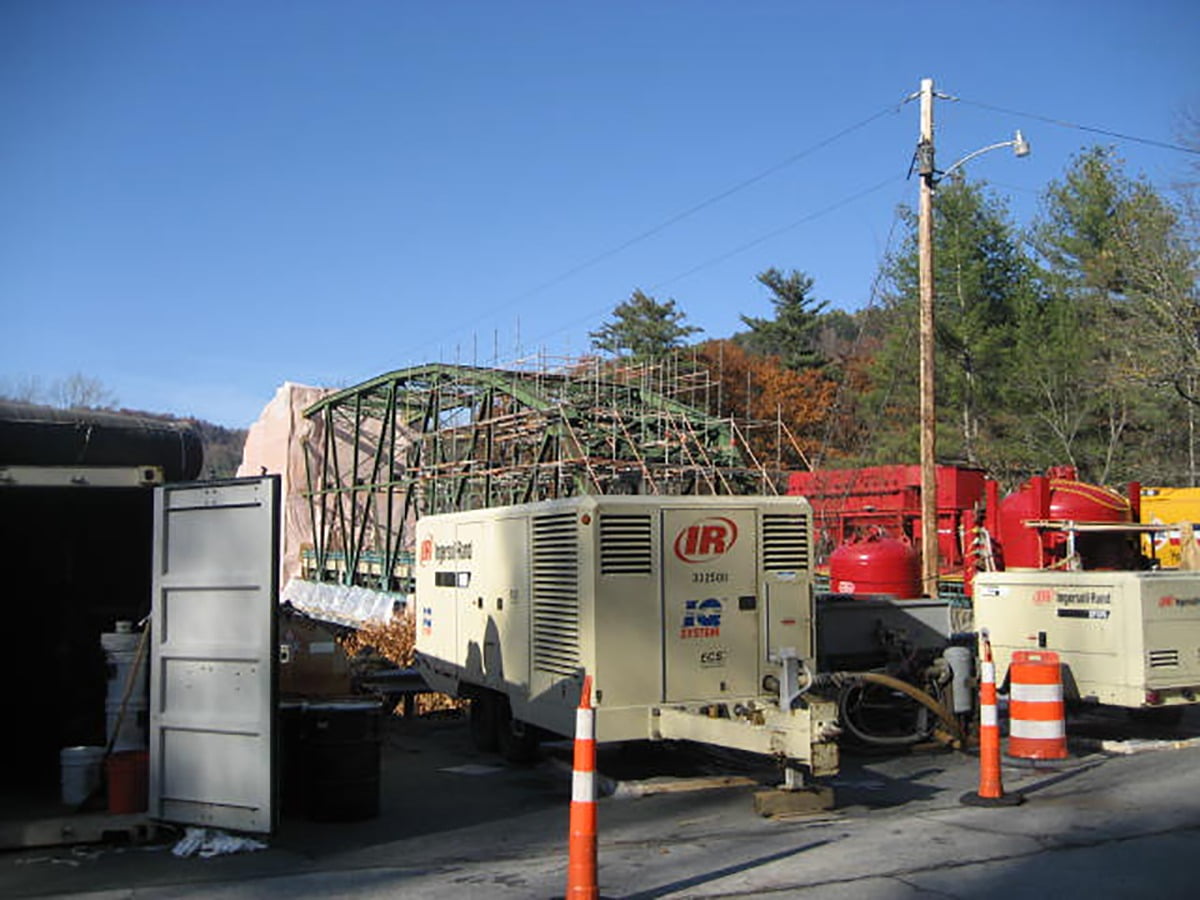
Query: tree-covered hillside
x=1074 y=339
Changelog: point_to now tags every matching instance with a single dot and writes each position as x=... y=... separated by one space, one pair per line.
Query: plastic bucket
x=128 y=781
x=80 y=768
x=341 y=756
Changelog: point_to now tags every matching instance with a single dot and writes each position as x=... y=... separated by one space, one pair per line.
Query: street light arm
x=1019 y=144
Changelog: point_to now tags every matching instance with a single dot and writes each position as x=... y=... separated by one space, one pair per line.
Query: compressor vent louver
x=626 y=545
x=1164 y=659
x=556 y=594
x=785 y=542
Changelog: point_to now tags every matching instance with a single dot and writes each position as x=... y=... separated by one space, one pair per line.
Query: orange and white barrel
x=1037 y=723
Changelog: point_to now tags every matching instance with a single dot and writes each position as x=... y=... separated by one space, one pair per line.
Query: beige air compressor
x=1127 y=639
x=693 y=615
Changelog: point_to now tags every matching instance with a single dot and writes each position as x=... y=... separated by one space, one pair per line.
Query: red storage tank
x=874 y=565
x=1059 y=496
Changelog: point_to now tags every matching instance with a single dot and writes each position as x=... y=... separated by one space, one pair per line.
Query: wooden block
x=805 y=801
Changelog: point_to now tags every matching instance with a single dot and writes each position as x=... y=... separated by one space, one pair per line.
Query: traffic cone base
x=971 y=798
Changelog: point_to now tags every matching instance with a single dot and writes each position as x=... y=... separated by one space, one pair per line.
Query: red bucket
x=128 y=774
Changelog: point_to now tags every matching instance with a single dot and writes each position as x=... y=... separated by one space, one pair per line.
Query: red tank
x=874 y=565
x=1059 y=496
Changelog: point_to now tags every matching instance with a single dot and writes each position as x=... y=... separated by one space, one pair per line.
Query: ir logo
x=706 y=540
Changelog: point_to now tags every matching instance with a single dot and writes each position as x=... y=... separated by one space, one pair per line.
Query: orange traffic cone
x=991 y=790
x=581 y=867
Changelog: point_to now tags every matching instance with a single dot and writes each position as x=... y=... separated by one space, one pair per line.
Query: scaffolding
x=441 y=438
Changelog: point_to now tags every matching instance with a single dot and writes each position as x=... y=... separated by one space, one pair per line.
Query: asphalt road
x=1119 y=819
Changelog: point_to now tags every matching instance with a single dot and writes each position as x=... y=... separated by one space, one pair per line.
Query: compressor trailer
x=693 y=615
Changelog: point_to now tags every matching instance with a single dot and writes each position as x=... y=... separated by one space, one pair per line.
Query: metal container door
x=213 y=653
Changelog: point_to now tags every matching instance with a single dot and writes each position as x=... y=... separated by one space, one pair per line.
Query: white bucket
x=133 y=734
x=80 y=767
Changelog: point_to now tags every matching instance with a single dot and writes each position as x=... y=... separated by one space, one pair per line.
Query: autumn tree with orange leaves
x=782 y=413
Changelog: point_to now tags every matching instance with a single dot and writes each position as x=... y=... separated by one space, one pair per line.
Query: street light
x=929 y=176
x=1018 y=143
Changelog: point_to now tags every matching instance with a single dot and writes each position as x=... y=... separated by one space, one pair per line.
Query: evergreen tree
x=980 y=277
x=644 y=328
x=793 y=333
x=1121 y=286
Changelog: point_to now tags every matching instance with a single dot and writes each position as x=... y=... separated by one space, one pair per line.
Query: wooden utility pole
x=929 y=522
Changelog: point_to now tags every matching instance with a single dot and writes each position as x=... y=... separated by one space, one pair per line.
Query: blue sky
x=201 y=200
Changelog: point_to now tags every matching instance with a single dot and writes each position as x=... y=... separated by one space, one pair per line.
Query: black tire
x=518 y=741
x=482 y=722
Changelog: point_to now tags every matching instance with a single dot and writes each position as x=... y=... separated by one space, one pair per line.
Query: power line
x=704 y=204
x=778 y=231
x=741 y=248
x=1063 y=123
x=696 y=208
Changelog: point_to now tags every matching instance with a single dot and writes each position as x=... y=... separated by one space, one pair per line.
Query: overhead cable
x=741 y=248
x=703 y=204
x=698 y=207
x=762 y=239
x=1063 y=123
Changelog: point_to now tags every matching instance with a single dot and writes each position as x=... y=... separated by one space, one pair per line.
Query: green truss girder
x=460 y=449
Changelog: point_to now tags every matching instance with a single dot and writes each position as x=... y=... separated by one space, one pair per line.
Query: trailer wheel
x=518 y=741
x=483 y=721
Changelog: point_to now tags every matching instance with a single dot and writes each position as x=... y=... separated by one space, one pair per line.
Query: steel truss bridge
x=441 y=438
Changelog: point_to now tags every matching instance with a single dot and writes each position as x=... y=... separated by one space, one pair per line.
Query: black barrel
x=341 y=755
x=293 y=762
x=43 y=436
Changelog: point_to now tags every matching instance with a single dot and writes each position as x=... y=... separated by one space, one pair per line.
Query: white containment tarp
x=342 y=604
x=274 y=446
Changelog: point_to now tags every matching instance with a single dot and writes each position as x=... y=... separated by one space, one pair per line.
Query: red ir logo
x=705 y=540
x=426 y=551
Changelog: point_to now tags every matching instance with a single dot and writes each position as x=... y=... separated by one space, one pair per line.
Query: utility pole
x=929 y=522
x=929 y=175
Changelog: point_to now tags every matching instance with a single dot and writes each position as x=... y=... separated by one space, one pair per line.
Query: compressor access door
x=711 y=603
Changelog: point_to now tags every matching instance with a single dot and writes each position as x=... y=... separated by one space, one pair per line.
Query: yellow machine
x=1168 y=506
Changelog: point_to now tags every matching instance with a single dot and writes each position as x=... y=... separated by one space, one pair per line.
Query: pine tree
x=644 y=328
x=793 y=333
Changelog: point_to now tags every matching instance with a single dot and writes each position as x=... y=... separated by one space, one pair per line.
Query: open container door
x=213 y=654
